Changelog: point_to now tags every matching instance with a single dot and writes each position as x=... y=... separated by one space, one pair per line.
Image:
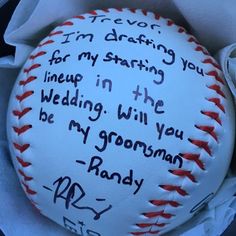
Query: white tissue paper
x=213 y=22
x=2 y=2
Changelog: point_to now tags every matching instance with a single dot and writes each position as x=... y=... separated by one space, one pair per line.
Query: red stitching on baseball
x=33 y=67
x=28 y=189
x=20 y=114
x=165 y=202
x=193 y=39
x=118 y=9
x=217 y=102
x=195 y=158
x=46 y=43
x=173 y=188
x=79 y=17
x=67 y=23
x=23 y=163
x=147 y=225
x=182 y=30
x=201 y=144
x=21 y=148
x=23 y=96
x=53 y=33
x=28 y=80
x=170 y=22
x=21 y=130
x=26 y=178
x=146 y=232
x=212 y=62
x=216 y=75
x=213 y=115
x=208 y=129
x=133 y=10
x=202 y=49
x=157 y=16
x=218 y=90
x=39 y=54
x=158 y=214
x=184 y=173
x=144 y=12
x=92 y=13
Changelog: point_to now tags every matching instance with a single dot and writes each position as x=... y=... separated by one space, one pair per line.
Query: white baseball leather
x=120 y=123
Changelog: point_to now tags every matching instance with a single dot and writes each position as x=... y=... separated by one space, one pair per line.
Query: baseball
x=120 y=123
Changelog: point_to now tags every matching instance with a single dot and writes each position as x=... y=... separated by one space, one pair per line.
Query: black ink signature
x=73 y=193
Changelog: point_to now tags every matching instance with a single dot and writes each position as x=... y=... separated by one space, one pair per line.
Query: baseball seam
x=195 y=158
x=22 y=112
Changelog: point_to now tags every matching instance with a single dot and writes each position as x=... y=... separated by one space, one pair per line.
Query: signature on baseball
x=72 y=193
x=95 y=167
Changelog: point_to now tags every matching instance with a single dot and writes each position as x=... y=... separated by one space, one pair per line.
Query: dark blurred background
x=5 y=16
